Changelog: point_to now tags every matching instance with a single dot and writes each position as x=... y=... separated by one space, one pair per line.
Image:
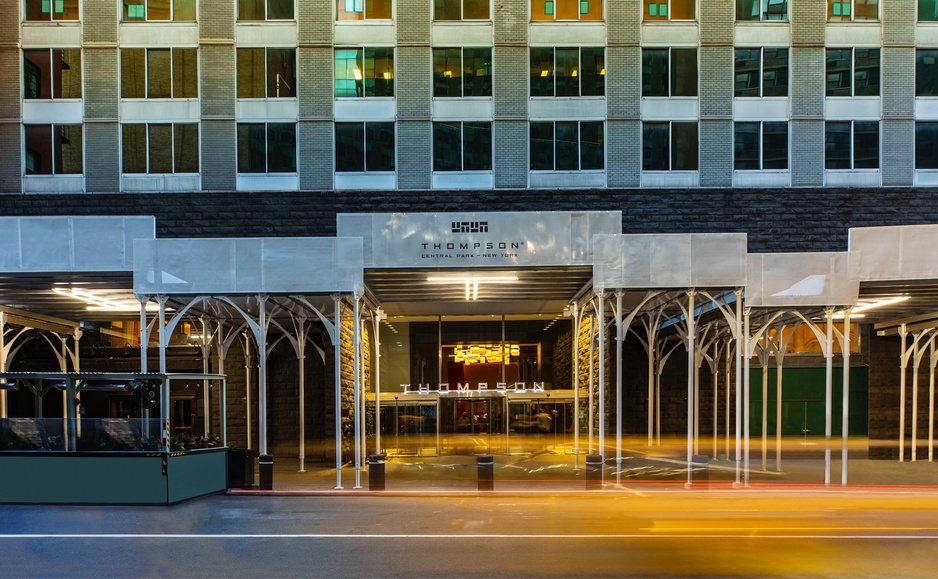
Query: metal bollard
x=700 y=470
x=376 y=471
x=594 y=472
x=486 y=466
x=265 y=466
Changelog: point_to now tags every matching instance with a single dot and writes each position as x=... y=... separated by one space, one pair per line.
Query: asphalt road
x=742 y=533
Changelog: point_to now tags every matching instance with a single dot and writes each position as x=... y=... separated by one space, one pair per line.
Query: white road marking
x=743 y=533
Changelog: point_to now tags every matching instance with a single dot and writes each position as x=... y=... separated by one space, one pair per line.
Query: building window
x=462 y=72
x=461 y=10
x=51 y=10
x=567 y=146
x=761 y=9
x=852 y=72
x=53 y=149
x=851 y=145
x=568 y=72
x=760 y=146
x=855 y=10
x=462 y=146
x=52 y=73
x=265 y=10
x=364 y=147
x=761 y=72
x=669 y=10
x=669 y=72
x=159 y=73
x=266 y=148
x=926 y=145
x=160 y=148
x=566 y=9
x=364 y=72
x=159 y=10
x=266 y=73
x=669 y=146
x=926 y=73
x=927 y=10
x=363 y=9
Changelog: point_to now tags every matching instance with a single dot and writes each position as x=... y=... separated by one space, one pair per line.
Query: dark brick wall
x=776 y=220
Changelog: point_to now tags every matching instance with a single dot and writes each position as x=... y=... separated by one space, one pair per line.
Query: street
x=646 y=532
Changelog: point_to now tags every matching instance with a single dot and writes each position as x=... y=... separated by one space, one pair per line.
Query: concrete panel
x=463 y=34
x=157 y=35
x=567 y=34
x=472 y=108
x=585 y=108
x=281 y=34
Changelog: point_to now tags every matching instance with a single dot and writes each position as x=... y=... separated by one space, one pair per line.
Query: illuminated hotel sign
x=508 y=239
x=445 y=388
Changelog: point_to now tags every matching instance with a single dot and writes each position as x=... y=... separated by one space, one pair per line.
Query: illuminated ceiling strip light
x=864 y=306
x=101 y=304
x=472 y=282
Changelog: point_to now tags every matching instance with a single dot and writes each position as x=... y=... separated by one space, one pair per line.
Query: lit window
x=266 y=148
x=52 y=73
x=53 y=149
x=266 y=73
x=761 y=9
x=363 y=9
x=568 y=72
x=669 y=146
x=926 y=73
x=669 y=10
x=253 y=10
x=159 y=10
x=462 y=72
x=364 y=147
x=852 y=72
x=159 y=73
x=39 y=10
x=851 y=145
x=669 y=72
x=364 y=72
x=567 y=146
x=760 y=146
x=160 y=148
x=927 y=10
x=566 y=10
x=761 y=72
x=926 y=145
x=462 y=146
x=461 y=10
x=852 y=10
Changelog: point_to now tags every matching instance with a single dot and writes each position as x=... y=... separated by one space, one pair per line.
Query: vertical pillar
x=164 y=339
x=619 y=338
x=265 y=460
x=337 y=348
x=845 y=428
x=356 y=379
x=248 y=403
x=903 y=366
x=651 y=336
x=778 y=410
x=576 y=385
x=206 y=396
x=745 y=400
x=301 y=355
x=931 y=397
x=764 y=362
x=601 y=321
x=691 y=367
x=143 y=333
x=828 y=392
x=377 y=325
x=590 y=401
x=916 y=362
x=3 y=363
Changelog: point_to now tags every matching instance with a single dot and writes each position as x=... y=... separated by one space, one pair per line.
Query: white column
x=903 y=366
x=601 y=324
x=206 y=395
x=356 y=384
x=164 y=339
x=248 y=377
x=575 y=312
x=691 y=382
x=619 y=404
x=301 y=356
x=828 y=393
x=778 y=408
x=745 y=400
x=3 y=363
x=377 y=330
x=846 y=398
x=931 y=397
x=143 y=333
x=651 y=335
x=764 y=362
x=262 y=374
x=916 y=361
x=337 y=349
x=591 y=417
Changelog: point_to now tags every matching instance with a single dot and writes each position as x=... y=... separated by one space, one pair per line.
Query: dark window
x=761 y=72
x=53 y=149
x=363 y=9
x=160 y=148
x=461 y=10
x=567 y=146
x=266 y=73
x=266 y=148
x=926 y=145
x=669 y=10
x=926 y=73
x=52 y=10
x=857 y=10
x=364 y=147
x=158 y=10
x=758 y=146
x=851 y=145
x=465 y=146
x=669 y=72
x=461 y=72
x=761 y=9
x=567 y=72
x=927 y=10
x=364 y=72
x=566 y=9
x=159 y=73
x=853 y=72
x=669 y=146
x=265 y=9
x=52 y=73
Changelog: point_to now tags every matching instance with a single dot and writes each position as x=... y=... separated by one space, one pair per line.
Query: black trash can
x=486 y=466
x=265 y=466
x=240 y=468
x=376 y=471
x=594 y=472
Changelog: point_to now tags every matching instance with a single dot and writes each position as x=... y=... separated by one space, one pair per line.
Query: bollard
x=376 y=472
x=265 y=466
x=486 y=464
x=594 y=472
x=700 y=470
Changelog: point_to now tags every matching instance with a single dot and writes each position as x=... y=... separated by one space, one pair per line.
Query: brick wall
x=219 y=155
x=102 y=156
x=511 y=156
x=623 y=153
x=807 y=152
x=716 y=147
x=413 y=142
x=317 y=150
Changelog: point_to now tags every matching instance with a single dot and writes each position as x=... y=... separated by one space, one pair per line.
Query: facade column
x=846 y=398
x=691 y=383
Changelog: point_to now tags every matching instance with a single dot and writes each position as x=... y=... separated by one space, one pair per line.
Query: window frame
x=762 y=145
x=853 y=72
x=462 y=12
x=267 y=10
x=672 y=150
x=173 y=152
x=578 y=72
x=55 y=80
x=75 y=8
x=762 y=71
x=172 y=76
x=268 y=82
x=671 y=74
x=651 y=10
x=125 y=19
x=548 y=10
x=363 y=51
x=921 y=54
x=853 y=145
x=837 y=6
x=56 y=158
x=364 y=10
x=463 y=145
x=763 y=6
x=581 y=154
x=267 y=147
x=365 y=155
x=487 y=86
